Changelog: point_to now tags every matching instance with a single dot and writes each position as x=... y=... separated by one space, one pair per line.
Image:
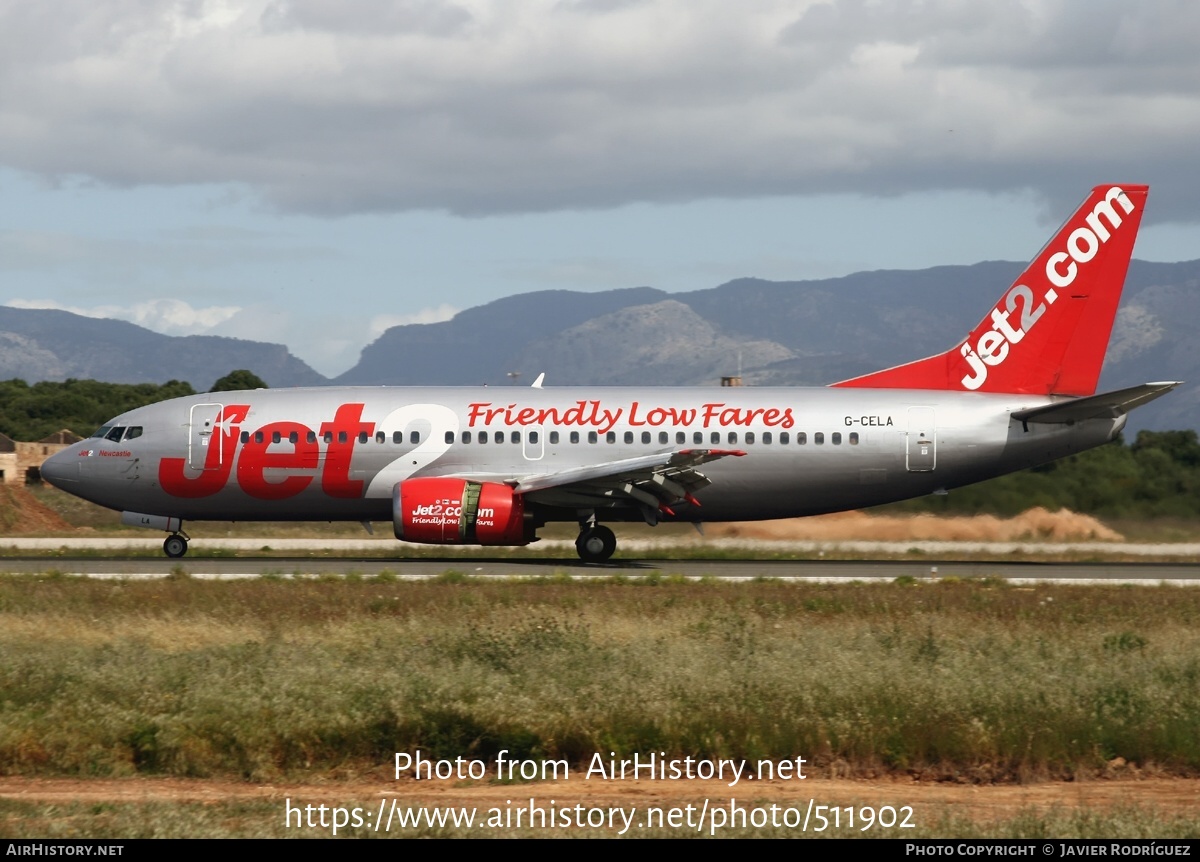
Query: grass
x=276 y=677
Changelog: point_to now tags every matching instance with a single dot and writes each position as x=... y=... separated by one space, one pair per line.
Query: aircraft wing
x=1107 y=405
x=652 y=483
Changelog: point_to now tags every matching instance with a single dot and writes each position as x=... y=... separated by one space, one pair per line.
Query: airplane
x=490 y=466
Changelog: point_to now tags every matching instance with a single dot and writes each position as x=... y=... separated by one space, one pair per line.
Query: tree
x=240 y=379
x=32 y=412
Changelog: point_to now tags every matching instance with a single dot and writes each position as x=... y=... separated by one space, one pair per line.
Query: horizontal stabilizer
x=1107 y=405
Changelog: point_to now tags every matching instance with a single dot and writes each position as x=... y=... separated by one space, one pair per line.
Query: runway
x=512 y=566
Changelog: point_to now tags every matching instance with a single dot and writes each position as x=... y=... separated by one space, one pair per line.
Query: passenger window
x=533 y=437
x=515 y=437
x=449 y=438
x=784 y=437
x=341 y=436
x=482 y=436
x=853 y=438
x=646 y=437
x=749 y=436
x=328 y=436
x=662 y=437
x=593 y=437
x=276 y=437
x=553 y=438
x=698 y=437
x=498 y=437
x=819 y=438
x=574 y=436
x=294 y=438
x=245 y=436
x=466 y=436
x=258 y=436
x=628 y=436
x=611 y=436
x=715 y=439
x=134 y=432
x=362 y=437
x=801 y=437
x=680 y=437
x=732 y=436
x=767 y=437
x=836 y=438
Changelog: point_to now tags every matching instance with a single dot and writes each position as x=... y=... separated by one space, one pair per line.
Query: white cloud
x=480 y=107
x=381 y=323
x=168 y=316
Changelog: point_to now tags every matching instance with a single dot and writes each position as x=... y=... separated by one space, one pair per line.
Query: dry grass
x=261 y=679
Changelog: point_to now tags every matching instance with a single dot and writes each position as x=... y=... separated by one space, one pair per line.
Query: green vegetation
x=240 y=379
x=1157 y=476
x=278 y=677
x=33 y=412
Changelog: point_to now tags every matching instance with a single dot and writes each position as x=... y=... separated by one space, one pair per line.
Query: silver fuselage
x=341 y=450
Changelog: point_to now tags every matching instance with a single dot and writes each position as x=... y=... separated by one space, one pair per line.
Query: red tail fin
x=1049 y=332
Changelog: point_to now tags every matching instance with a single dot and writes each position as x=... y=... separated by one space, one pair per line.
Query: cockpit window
x=117 y=433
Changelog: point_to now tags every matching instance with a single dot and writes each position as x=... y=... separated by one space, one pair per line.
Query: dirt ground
x=979 y=803
x=21 y=513
x=1036 y=523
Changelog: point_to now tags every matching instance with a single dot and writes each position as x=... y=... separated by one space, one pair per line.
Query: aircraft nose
x=62 y=469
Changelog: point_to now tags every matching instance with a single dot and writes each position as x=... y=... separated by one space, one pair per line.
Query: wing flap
x=649 y=482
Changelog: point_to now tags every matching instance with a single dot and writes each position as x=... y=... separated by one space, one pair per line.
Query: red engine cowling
x=448 y=511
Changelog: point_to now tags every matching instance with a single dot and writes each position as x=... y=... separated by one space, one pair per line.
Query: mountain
x=55 y=345
x=482 y=344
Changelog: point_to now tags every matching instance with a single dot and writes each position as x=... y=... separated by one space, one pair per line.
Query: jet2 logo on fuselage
x=1062 y=267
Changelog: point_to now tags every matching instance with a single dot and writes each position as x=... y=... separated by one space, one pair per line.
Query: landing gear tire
x=595 y=544
x=175 y=546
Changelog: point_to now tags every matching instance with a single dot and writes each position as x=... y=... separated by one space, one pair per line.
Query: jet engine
x=448 y=511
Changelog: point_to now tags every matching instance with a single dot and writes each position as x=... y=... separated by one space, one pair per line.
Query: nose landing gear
x=596 y=543
x=175 y=545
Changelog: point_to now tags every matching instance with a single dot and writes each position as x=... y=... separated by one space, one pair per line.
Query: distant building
x=21 y=463
x=736 y=380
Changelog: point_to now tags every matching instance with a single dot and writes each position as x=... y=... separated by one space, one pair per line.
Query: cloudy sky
x=312 y=172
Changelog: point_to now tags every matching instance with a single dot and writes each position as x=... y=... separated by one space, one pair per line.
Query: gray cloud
x=479 y=107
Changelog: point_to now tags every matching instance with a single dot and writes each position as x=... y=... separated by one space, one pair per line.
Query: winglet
x=1048 y=334
x=537 y=384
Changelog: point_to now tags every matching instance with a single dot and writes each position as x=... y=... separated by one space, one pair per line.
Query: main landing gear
x=175 y=545
x=596 y=543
